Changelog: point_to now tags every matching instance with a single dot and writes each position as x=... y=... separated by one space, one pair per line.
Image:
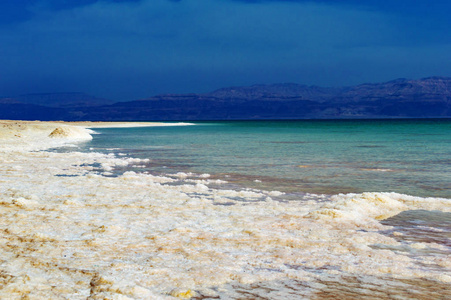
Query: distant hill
x=400 y=98
x=58 y=100
x=276 y=91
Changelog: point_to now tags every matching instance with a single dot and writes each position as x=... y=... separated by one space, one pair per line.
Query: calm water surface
x=405 y=156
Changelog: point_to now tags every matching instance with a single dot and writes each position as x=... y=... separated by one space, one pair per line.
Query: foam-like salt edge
x=69 y=232
x=36 y=135
x=136 y=124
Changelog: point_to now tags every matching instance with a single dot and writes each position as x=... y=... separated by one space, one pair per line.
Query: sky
x=133 y=49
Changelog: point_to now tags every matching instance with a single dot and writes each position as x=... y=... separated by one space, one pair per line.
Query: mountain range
x=401 y=98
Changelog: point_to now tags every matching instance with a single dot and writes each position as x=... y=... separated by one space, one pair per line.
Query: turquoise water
x=405 y=156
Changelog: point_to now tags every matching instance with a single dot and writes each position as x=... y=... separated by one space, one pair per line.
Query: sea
x=322 y=157
x=347 y=175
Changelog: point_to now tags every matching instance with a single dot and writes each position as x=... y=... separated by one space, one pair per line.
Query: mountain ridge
x=428 y=97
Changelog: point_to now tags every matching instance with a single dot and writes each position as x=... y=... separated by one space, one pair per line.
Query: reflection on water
x=422 y=226
x=340 y=287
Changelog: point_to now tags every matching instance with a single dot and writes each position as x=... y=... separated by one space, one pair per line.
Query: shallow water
x=404 y=156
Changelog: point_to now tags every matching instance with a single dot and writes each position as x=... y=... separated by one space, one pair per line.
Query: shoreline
x=68 y=231
x=40 y=135
x=92 y=124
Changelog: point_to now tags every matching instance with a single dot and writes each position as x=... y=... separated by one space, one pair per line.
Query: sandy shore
x=9 y=128
x=27 y=135
x=70 y=231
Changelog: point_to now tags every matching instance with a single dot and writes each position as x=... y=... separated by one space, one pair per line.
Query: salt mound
x=71 y=132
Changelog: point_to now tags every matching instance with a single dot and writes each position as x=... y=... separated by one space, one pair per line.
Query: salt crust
x=83 y=235
x=71 y=132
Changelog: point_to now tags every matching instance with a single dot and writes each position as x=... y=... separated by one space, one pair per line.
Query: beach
x=69 y=232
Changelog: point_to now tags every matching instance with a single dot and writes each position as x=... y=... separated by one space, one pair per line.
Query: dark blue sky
x=129 y=49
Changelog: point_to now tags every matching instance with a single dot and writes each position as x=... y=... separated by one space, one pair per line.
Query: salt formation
x=71 y=132
x=34 y=135
x=70 y=232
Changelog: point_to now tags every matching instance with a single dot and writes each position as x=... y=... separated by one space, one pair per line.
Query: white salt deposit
x=68 y=232
x=136 y=124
